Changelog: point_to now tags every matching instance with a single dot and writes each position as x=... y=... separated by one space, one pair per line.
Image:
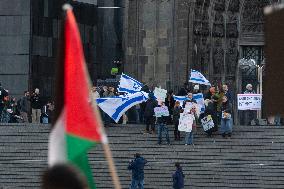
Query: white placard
x=249 y=101
x=207 y=123
x=185 y=122
x=160 y=94
x=161 y=111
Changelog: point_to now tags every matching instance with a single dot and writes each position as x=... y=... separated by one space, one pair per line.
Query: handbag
x=226 y=115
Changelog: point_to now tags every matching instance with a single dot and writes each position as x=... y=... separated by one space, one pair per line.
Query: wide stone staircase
x=252 y=158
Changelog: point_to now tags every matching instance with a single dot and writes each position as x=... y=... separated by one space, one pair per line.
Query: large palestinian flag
x=77 y=125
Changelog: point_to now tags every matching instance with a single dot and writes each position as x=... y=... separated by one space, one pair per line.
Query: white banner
x=249 y=101
x=185 y=122
x=207 y=123
x=160 y=94
x=161 y=111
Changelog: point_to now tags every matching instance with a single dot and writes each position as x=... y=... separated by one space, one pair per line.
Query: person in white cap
x=249 y=89
x=249 y=115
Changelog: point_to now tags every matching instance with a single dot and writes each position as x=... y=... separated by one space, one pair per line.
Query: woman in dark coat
x=178 y=177
x=150 y=119
x=176 y=115
x=170 y=103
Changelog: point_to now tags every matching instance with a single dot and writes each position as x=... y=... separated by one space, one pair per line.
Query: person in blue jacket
x=178 y=177
x=137 y=167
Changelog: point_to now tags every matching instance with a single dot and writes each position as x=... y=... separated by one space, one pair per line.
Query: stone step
x=252 y=158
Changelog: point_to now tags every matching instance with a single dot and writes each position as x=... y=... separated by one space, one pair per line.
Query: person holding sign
x=211 y=110
x=226 y=120
x=162 y=114
x=192 y=116
x=249 y=115
x=187 y=119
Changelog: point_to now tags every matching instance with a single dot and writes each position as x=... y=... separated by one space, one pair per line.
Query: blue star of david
x=136 y=86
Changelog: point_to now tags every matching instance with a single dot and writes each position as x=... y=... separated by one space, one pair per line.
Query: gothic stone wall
x=150 y=41
x=166 y=38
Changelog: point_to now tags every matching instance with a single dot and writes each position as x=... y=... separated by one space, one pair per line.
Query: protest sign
x=185 y=122
x=207 y=123
x=249 y=101
x=160 y=94
x=161 y=111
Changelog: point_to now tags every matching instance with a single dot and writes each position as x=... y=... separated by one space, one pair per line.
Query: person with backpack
x=137 y=166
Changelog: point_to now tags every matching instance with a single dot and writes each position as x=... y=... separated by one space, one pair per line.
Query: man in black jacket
x=36 y=106
x=149 y=113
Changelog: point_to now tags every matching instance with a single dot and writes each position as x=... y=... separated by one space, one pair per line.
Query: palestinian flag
x=77 y=124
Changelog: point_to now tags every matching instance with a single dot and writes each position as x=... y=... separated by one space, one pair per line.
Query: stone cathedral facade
x=164 y=39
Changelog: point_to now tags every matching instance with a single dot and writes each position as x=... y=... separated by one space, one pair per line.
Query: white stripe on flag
x=57 y=142
x=128 y=84
x=197 y=77
x=115 y=107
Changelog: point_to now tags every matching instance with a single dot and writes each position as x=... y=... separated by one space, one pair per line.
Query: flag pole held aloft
x=78 y=125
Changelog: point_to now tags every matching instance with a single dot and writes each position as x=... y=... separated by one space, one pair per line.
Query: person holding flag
x=77 y=126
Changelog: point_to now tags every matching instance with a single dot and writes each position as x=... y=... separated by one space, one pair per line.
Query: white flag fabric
x=116 y=106
x=200 y=101
x=129 y=85
x=197 y=77
x=181 y=99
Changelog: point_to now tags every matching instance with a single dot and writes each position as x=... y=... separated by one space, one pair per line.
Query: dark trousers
x=249 y=115
x=176 y=132
x=107 y=120
x=162 y=128
x=150 y=121
x=1 y=109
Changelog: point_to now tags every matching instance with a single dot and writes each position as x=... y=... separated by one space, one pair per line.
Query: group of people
x=218 y=105
x=137 y=168
x=218 y=102
x=29 y=108
x=64 y=176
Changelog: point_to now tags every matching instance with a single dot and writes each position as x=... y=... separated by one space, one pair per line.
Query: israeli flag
x=116 y=106
x=181 y=99
x=200 y=101
x=129 y=85
x=197 y=77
